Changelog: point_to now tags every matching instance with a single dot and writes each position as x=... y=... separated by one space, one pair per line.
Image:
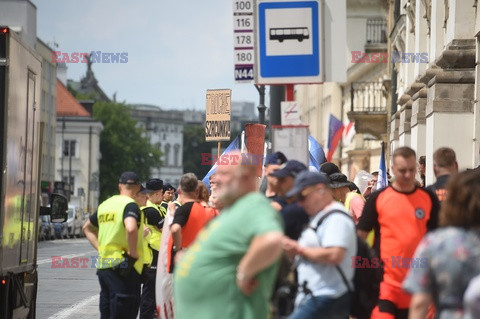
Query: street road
x=67 y=292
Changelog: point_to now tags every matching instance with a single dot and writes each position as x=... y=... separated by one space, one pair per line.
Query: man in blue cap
x=272 y=163
x=324 y=250
x=294 y=216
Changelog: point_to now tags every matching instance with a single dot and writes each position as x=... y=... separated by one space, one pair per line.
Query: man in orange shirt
x=188 y=220
x=400 y=215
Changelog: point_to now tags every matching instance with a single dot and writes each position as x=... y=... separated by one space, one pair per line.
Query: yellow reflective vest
x=152 y=240
x=112 y=235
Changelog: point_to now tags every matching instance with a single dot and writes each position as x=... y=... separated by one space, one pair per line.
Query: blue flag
x=234 y=145
x=317 y=155
x=382 y=172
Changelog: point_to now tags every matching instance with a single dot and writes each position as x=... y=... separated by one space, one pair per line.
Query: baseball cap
x=154 y=184
x=338 y=180
x=276 y=158
x=168 y=187
x=305 y=179
x=329 y=168
x=129 y=178
x=290 y=168
x=143 y=190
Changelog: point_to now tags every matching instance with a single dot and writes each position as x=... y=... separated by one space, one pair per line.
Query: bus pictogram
x=293 y=33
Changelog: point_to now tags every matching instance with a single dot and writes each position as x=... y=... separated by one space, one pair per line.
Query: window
x=69 y=147
x=176 y=150
x=167 y=154
x=69 y=186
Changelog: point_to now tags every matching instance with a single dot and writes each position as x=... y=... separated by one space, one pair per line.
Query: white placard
x=244 y=56
x=243 y=40
x=242 y=6
x=290 y=113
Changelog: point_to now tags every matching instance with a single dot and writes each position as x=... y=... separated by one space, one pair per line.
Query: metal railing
x=367 y=97
x=376 y=30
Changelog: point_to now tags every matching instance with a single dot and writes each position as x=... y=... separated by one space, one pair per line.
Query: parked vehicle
x=21 y=154
x=75 y=221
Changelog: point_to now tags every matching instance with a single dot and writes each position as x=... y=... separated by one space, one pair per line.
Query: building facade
x=48 y=107
x=435 y=102
x=363 y=99
x=78 y=151
x=164 y=130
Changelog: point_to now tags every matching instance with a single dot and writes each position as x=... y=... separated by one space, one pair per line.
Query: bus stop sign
x=289 y=38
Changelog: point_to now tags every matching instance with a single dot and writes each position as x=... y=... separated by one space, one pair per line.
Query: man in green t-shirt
x=230 y=269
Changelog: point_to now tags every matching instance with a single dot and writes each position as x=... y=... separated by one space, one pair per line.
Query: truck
x=20 y=153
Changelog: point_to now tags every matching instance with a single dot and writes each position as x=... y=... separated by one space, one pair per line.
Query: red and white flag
x=348 y=133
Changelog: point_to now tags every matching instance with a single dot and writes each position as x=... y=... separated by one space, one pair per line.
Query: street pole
x=277 y=95
x=261 y=108
x=70 y=169
x=63 y=145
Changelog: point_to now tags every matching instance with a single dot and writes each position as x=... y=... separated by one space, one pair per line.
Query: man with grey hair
x=230 y=269
x=323 y=252
x=188 y=220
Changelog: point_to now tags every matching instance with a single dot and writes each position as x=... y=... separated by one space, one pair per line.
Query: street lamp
x=261 y=108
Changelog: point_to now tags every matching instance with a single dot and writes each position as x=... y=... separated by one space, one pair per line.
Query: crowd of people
x=224 y=246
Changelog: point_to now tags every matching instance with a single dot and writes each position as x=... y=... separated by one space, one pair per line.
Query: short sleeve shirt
x=400 y=221
x=182 y=213
x=209 y=264
x=153 y=217
x=131 y=210
x=448 y=259
x=337 y=230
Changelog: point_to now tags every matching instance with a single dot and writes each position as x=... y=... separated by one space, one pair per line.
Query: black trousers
x=147 y=300
x=119 y=296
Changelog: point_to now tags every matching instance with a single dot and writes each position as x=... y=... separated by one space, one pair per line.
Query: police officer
x=154 y=218
x=168 y=194
x=116 y=231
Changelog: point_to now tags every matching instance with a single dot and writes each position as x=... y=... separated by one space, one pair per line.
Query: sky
x=176 y=49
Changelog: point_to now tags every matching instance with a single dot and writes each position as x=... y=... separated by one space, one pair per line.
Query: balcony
x=368 y=107
x=376 y=35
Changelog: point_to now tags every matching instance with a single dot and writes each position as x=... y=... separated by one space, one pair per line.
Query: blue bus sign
x=289 y=42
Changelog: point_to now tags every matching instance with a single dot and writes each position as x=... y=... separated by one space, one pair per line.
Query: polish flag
x=348 y=133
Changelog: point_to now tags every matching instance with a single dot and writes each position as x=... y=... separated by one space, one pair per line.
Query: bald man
x=230 y=270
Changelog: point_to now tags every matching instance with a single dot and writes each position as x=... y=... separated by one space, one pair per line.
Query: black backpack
x=366 y=281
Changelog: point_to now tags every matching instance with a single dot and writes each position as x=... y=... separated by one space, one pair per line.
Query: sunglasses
x=307 y=191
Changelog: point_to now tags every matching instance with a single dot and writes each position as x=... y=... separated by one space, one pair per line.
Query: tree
x=194 y=145
x=123 y=147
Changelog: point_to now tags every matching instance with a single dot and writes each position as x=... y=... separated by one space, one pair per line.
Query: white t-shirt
x=337 y=230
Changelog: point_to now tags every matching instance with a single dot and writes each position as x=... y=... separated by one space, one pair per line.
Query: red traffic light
x=3 y=30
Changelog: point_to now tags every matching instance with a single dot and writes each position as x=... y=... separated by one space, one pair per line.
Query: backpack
x=366 y=281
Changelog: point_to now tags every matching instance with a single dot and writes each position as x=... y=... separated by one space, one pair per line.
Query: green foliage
x=194 y=145
x=122 y=146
